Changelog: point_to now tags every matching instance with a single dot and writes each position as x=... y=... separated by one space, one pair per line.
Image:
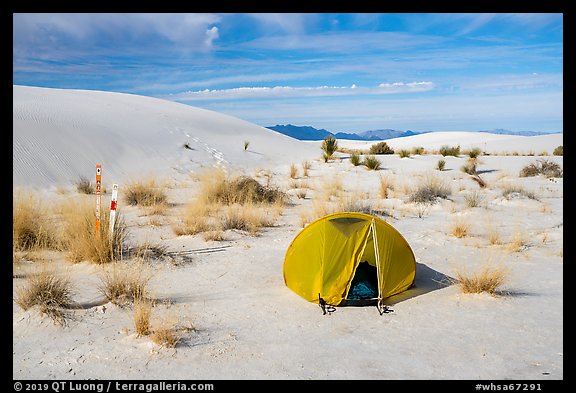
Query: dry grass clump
x=518 y=242
x=430 y=191
x=240 y=203
x=216 y=235
x=544 y=167
x=197 y=218
x=293 y=171
x=142 y=312
x=305 y=168
x=144 y=193
x=485 y=280
x=473 y=199
x=494 y=237
x=31 y=227
x=470 y=166
x=384 y=186
x=83 y=242
x=148 y=251
x=246 y=218
x=50 y=292
x=125 y=283
x=167 y=331
x=460 y=228
x=510 y=191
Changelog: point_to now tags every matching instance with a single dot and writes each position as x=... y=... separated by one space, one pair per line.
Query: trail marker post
x=113 y=205
x=98 y=196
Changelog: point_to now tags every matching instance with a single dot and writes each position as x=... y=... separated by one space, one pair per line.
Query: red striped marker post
x=113 y=206
x=98 y=196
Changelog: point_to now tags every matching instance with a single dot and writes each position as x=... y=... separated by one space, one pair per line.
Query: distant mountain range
x=308 y=133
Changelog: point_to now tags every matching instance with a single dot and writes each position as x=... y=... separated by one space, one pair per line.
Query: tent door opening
x=364 y=285
x=363 y=288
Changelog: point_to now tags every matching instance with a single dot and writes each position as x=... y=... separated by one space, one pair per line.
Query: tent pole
x=377 y=255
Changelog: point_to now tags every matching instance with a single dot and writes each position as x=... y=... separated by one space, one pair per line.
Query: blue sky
x=342 y=72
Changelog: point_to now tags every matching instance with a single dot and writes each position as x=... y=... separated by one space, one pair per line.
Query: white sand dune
x=60 y=135
x=246 y=323
x=487 y=142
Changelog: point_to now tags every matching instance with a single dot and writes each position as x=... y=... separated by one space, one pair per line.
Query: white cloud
x=211 y=35
x=289 y=91
x=401 y=87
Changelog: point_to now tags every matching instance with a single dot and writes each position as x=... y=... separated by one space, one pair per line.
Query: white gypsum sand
x=227 y=298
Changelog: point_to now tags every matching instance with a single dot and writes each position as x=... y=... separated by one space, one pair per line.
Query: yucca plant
x=329 y=147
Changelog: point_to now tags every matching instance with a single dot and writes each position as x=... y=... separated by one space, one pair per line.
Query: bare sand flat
x=239 y=320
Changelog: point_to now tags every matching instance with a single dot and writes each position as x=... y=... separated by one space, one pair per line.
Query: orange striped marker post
x=113 y=206
x=98 y=196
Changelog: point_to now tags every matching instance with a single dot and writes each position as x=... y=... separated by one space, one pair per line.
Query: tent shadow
x=427 y=280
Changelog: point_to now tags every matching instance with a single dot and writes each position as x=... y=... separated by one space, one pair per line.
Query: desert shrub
x=31 y=228
x=404 y=153
x=329 y=147
x=84 y=186
x=544 y=167
x=441 y=164
x=418 y=150
x=429 y=191
x=372 y=163
x=381 y=148
x=558 y=151
x=355 y=159
x=241 y=190
x=446 y=150
x=50 y=292
x=474 y=152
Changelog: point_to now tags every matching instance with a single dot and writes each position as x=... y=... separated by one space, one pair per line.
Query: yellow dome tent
x=322 y=261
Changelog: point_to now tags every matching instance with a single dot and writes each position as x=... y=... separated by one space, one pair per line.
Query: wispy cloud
x=53 y=34
x=343 y=42
x=289 y=91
